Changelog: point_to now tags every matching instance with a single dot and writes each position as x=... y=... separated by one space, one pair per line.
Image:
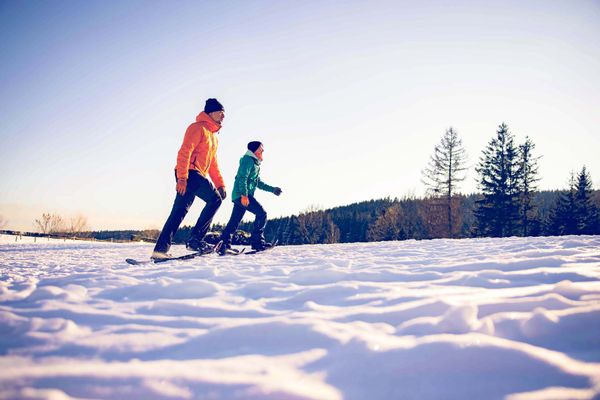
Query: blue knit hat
x=253 y=146
x=213 y=105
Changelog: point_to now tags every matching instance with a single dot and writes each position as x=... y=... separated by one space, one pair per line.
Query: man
x=197 y=159
x=247 y=180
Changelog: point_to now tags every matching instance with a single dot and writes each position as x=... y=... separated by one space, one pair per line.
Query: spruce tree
x=527 y=179
x=445 y=170
x=295 y=233
x=562 y=216
x=586 y=212
x=498 y=210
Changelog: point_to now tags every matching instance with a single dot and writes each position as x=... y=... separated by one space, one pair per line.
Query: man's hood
x=207 y=121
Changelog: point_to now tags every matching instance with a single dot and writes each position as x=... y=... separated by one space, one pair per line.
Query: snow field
x=515 y=318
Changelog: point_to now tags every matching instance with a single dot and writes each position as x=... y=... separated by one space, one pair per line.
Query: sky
x=348 y=97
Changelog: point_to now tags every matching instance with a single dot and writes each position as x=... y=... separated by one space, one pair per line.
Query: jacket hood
x=253 y=156
x=206 y=120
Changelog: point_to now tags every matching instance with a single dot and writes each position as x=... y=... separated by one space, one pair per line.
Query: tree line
x=414 y=218
x=508 y=203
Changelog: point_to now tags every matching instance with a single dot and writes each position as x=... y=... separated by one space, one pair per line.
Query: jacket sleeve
x=241 y=178
x=263 y=186
x=190 y=141
x=215 y=173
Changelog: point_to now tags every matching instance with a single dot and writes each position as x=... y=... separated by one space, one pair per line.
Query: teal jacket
x=247 y=178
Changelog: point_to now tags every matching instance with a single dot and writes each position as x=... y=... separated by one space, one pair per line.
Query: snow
x=514 y=318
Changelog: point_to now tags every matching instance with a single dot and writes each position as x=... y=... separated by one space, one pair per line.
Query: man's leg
x=234 y=221
x=260 y=220
x=181 y=206
x=209 y=194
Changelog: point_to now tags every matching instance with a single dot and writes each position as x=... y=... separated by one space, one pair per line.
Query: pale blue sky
x=349 y=97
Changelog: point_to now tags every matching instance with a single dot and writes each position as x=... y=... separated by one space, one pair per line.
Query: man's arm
x=215 y=173
x=190 y=141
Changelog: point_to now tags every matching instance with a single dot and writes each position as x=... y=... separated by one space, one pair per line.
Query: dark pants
x=197 y=185
x=260 y=220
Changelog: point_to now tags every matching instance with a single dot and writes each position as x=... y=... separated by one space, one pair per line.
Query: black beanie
x=253 y=146
x=213 y=105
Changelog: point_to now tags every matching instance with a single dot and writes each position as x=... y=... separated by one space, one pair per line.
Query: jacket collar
x=207 y=121
x=251 y=154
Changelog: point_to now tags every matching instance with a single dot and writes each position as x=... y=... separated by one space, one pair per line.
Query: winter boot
x=198 y=245
x=159 y=255
x=260 y=245
x=225 y=248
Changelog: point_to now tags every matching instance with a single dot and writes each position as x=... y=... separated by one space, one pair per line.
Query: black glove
x=222 y=192
x=276 y=191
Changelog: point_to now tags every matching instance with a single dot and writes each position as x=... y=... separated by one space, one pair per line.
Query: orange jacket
x=199 y=150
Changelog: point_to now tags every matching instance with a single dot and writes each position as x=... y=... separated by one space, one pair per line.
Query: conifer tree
x=527 y=179
x=445 y=170
x=562 y=216
x=294 y=234
x=498 y=211
x=586 y=213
